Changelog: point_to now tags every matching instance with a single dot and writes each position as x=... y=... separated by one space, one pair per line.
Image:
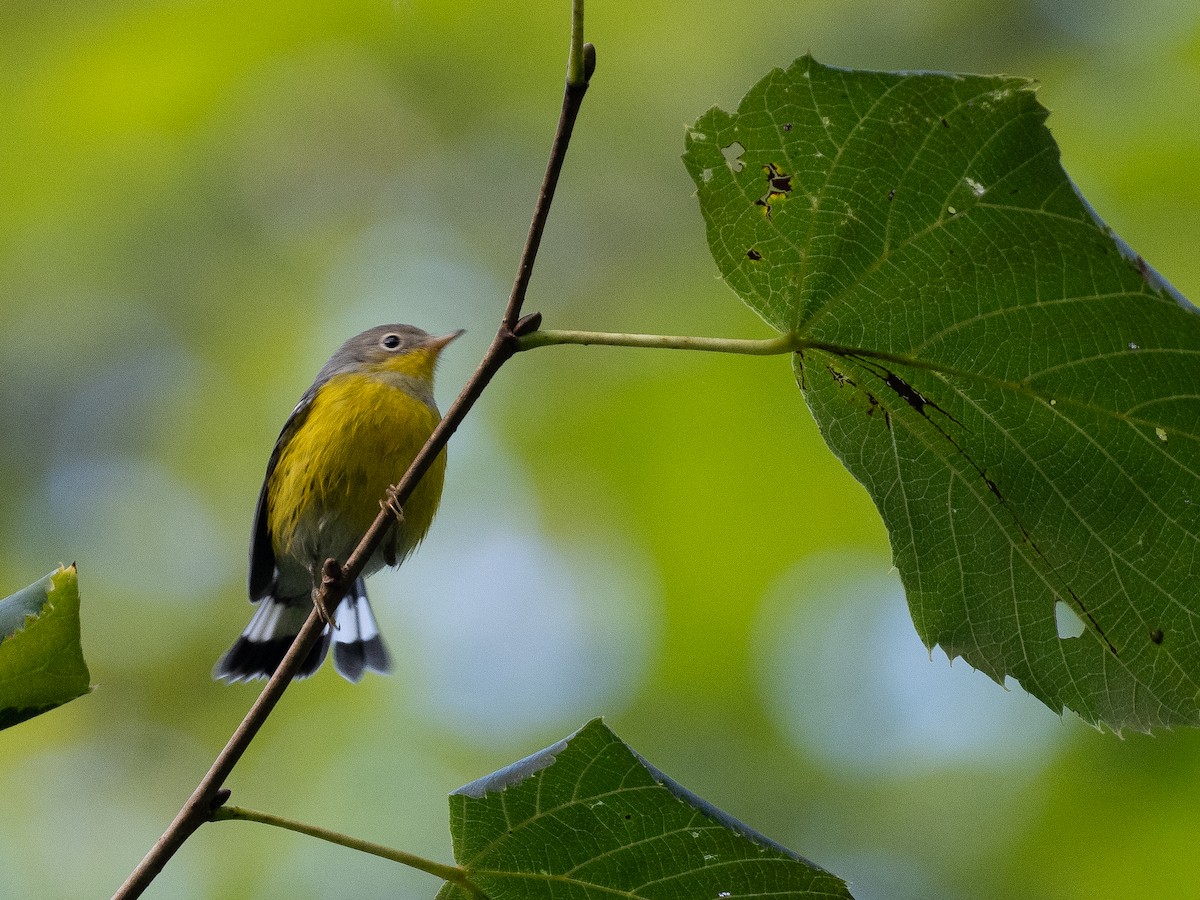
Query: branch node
x=589 y=61
x=527 y=324
x=333 y=579
x=220 y=798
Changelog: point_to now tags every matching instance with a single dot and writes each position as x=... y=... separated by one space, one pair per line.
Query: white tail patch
x=355 y=621
x=273 y=620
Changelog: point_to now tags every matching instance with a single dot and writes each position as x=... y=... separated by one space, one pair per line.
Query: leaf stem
x=581 y=61
x=453 y=874
x=784 y=343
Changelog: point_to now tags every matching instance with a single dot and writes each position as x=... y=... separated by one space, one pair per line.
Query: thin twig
x=572 y=100
x=204 y=798
x=453 y=874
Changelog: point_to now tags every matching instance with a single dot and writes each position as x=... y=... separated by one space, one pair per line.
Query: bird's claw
x=392 y=505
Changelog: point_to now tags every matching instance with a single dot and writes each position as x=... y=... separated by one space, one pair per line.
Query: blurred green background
x=200 y=199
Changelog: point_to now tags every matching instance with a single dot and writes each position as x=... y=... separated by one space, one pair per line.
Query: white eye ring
x=390 y=341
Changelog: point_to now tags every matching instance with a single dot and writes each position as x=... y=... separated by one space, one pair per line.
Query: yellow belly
x=360 y=435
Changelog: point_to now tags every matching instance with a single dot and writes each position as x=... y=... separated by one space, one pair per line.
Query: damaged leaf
x=1014 y=387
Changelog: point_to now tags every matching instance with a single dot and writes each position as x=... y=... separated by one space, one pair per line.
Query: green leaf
x=41 y=660
x=1015 y=388
x=589 y=818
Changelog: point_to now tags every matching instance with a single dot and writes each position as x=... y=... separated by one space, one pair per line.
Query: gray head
x=401 y=354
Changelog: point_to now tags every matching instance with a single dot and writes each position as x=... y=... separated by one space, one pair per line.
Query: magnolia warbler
x=352 y=435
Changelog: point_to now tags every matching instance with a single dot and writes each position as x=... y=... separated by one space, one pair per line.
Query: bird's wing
x=262 y=550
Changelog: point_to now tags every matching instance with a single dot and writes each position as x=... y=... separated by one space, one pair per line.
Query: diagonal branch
x=572 y=100
x=208 y=795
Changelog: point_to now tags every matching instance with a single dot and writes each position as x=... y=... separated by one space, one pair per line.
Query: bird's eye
x=391 y=341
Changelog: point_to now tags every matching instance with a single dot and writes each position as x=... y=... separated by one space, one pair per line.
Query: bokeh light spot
x=847 y=678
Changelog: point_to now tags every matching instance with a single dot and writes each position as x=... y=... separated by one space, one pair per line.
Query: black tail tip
x=249 y=660
x=353 y=660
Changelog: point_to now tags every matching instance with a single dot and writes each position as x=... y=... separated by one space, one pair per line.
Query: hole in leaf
x=1067 y=621
x=779 y=185
x=733 y=156
x=778 y=181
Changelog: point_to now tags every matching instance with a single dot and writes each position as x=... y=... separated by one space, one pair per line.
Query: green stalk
x=453 y=874
x=576 y=65
x=784 y=343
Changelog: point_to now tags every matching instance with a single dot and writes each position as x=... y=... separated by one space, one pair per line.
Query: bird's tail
x=357 y=645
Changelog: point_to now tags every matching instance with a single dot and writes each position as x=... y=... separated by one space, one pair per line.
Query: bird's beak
x=438 y=343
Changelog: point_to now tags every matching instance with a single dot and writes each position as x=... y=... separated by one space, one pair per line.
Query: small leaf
x=41 y=659
x=589 y=818
x=1015 y=388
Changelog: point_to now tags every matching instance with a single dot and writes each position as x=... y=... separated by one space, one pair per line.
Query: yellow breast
x=359 y=436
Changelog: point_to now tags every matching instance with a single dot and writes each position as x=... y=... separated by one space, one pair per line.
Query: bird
x=352 y=436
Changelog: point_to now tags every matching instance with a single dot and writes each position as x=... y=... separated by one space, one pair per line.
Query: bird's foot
x=392 y=504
